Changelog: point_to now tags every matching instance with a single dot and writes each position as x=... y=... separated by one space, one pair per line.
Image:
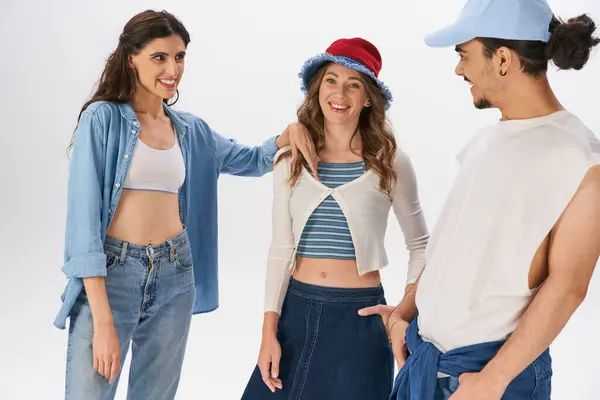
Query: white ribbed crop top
x=153 y=169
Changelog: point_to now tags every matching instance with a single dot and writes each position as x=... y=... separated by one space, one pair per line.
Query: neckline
x=181 y=126
x=158 y=150
x=345 y=164
x=331 y=190
x=527 y=122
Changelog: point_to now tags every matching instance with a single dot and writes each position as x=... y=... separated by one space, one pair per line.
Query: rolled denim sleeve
x=237 y=159
x=84 y=254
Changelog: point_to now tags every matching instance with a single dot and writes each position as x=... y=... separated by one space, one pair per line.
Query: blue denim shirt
x=417 y=379
x=104 y=141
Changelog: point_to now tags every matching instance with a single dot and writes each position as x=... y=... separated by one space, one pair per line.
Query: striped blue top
x=326 y=234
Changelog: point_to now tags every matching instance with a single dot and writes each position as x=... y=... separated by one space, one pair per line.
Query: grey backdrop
x=241 y=78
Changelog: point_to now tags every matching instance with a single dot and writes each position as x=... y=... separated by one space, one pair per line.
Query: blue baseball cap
x=499 y=19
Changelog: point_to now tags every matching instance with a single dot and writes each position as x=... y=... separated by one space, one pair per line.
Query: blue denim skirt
x=328 y=350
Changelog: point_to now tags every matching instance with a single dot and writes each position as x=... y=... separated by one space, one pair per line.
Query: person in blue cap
x=515 y=246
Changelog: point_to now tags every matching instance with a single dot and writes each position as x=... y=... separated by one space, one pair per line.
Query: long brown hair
x=379 y=144
x=117 y=82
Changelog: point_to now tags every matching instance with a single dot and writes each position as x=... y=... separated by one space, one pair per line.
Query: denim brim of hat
x=310 y=67
x=450 y=36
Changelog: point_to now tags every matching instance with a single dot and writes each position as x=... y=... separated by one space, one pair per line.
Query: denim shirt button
x=126 y=156
x=135 y=123
x=134 y=131
x=118 y=185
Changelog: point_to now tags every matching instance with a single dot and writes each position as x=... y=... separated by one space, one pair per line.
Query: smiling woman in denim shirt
x=137 y=272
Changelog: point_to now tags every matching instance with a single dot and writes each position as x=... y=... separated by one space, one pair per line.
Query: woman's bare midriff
x=146 y=217
x=333 y=273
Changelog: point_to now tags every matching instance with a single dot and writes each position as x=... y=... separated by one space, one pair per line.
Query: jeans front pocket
x=112 y=260
x=543 y=380
x=381 y=324
x=383 y=329
x=183 y=257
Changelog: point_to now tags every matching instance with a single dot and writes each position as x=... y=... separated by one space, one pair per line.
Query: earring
x=174 y=101
x=502 y=73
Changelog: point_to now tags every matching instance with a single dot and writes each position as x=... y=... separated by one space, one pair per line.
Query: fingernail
x=273 y=375
x=361 y=312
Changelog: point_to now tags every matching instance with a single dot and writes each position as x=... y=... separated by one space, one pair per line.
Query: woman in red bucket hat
x=328 y=237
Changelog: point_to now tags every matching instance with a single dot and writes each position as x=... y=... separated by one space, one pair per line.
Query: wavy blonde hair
x=379 y=144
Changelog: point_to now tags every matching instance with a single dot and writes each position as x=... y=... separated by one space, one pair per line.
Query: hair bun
x=571 y=42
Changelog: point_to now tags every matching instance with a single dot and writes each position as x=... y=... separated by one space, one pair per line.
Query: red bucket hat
x=355 y=53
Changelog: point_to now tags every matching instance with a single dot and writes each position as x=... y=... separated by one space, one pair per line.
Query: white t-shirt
x=516 y=178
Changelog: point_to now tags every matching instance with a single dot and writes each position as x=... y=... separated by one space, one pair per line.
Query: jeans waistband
x=335 y=295
x=163 y=249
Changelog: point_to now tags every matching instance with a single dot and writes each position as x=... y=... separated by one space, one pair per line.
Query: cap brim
x=449 y=36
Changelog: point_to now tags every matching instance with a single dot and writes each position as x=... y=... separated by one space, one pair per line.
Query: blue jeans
x=445 y=387
x=541 y=390
x=328 y=350
x=535 y=382
x=417 y=379
x=151 y=294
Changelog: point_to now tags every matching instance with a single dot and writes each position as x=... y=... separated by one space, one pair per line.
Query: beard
x=488 y=83
x=483 y=103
